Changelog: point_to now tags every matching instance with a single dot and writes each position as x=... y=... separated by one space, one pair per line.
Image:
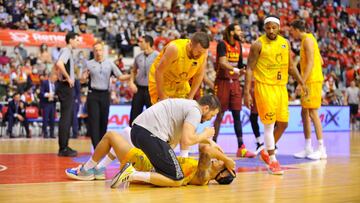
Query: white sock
x=269 y=136
x=258 y=140
x=272 y=158
x=140 y=176
x=184 y=153
x=104 y=162
x=112 y=152
x=321 y=143
x=308 y=143
x=90 y=164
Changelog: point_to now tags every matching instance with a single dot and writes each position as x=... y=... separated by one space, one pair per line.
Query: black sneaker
x=67 y=152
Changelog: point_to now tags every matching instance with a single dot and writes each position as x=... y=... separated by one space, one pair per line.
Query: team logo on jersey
x=283 y=46
x=183 y=75
x=269 y=116
x=278 y=58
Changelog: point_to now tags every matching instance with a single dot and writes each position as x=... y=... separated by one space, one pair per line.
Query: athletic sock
x=258 y=140
x=321 y=144
x=308 y=143
x=272 y=158
x=90 y=164
x=140 y=176
x=104 y=162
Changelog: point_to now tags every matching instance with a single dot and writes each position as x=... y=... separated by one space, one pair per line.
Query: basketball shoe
x=79 y=173
x=318 y=154
x=303 y=154
x=275 y=169
x=243 y=152
x=264 y=156
x=123 y=175
x=99 y=173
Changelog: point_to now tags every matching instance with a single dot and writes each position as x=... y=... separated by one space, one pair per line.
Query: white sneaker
x=318 y=154
x=303 y=154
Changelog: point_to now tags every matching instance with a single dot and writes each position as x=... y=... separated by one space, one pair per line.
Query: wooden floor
x=335 y=180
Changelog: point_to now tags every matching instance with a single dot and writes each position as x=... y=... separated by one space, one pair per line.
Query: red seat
x=32 y=112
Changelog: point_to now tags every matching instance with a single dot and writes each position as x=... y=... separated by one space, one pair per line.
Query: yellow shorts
x=272 y=103
x=172 y=90
x=313 y=99
x=138 y=159
x=141 y=163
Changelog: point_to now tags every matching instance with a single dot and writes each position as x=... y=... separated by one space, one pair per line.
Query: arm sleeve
x=240 y=62
x=114 y=69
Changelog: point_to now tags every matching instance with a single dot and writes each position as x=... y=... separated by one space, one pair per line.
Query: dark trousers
x=140 y=99
x=98 y=104
x=66 y=98
x=48 y=118
x=11 y=122
x=75 y=121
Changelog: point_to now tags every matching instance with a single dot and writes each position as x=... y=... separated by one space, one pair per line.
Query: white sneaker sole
x=100 y=177
x=275 y=173
x=75 y=177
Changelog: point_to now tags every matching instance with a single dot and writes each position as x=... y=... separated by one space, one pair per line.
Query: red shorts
x=229 y=94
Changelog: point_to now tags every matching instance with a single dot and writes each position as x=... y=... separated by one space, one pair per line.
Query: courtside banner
x=333 y=118
x=34 y=38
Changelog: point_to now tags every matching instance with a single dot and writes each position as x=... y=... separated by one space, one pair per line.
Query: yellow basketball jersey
x=141 y=163
x=316 y=71
x=179 y=72
x=273 y=63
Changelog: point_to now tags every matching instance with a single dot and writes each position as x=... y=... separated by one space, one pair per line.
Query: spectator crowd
x=120 y=24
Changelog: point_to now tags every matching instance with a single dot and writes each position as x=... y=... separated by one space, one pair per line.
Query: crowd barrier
x=333 y=118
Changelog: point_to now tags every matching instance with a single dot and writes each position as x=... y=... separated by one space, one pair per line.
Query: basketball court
x=31 y=171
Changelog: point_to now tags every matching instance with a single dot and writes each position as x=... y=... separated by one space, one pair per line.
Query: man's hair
x=224 y=180
x=16 y=93
x=299 y=24
x=149 y=40
x=227 y=35
x=210 y=100
x=69 y=36
x=98 y=42
x=202 y=38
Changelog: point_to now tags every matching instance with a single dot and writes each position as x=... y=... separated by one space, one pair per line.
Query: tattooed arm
x=205 y=171
x=202 y=175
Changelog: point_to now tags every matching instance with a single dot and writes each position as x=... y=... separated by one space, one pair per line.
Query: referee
x=98 y=72
x=140 y=73
x=65 y=66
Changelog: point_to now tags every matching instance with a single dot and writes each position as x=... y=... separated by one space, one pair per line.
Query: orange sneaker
x=243 y=152
x=264 y=156
x=275 y=169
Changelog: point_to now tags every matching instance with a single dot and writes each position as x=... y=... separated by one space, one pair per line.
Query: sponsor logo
x=19 y=37
x=117 y=120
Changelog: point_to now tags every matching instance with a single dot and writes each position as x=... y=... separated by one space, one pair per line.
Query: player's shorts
x=354 y=109
x=160 y=154
x=141 y=163
x=172 y=90
x=229 y=94
x=272 y=103
x=313 y=99
x=138 y=159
